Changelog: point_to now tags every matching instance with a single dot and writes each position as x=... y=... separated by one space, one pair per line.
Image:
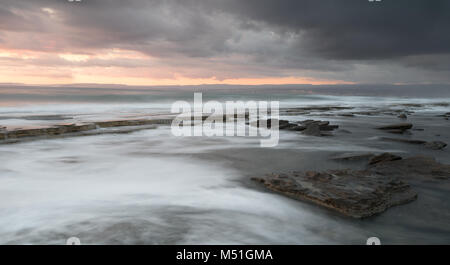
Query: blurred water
x=149 y=187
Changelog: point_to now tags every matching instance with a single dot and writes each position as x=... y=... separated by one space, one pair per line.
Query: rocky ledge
x=359 y=193
x=435 y=145
x=420 y=168
x=396 y=128
x=8 y=136
x=307 y=127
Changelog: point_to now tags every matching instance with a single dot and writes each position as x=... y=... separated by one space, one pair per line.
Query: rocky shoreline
x=16 y=135
x=383 y=183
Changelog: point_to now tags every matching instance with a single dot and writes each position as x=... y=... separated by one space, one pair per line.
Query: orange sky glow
x=122 y=67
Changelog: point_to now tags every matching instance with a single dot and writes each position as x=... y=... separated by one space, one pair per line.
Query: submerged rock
x=353 y=156
x=401 y=140
x=16 y=135
x=346 y=114
x=317 y=127
x=403 y=116
x=418 y=167
x=385 y=157
x=353 y=193
x=399 y=127
x=436 y=145
x=360 y=193
x=312 y=130
x=307 y=127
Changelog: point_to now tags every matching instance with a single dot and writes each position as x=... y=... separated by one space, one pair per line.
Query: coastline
x=347 y=147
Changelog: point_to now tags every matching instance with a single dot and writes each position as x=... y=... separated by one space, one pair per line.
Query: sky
x=251 y=42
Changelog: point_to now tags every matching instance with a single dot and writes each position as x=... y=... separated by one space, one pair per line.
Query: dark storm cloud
x=348 y=29
x=322 y=35
x=354 y=29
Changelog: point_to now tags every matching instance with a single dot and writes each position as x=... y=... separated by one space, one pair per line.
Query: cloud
x=352 y=40
x=353 y=29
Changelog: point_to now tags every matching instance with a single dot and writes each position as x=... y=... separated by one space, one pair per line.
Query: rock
x=318 y=108
x=297 y=128
x=360 y=193
x=397 y=131
x=401 y=140
x=328 y=127
x=301 y=126
x=344 y=131
x=308 y=122
x=282 y=124
x=74 y=129
x=357 y=194
x=403 y=116
x=353 y=156
x=312 y=129
x=317 y=127
x=346 y=114
x=436 y=145
x=383 y=158
x=414 y=105
x=419 y=167
x=398 y=126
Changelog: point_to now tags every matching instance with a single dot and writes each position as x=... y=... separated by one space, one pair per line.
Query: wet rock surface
x=94 y=128
x=396 y=128
x=420 y=168
x=360 y=193
x=352 y=156
x=317 y=127
x=307 y=127
x=356 y=194
x=435 y=145
x=385 y=157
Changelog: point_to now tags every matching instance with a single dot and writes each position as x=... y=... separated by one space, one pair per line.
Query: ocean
x=149 y=187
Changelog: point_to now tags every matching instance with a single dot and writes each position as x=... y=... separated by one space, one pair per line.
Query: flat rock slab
x=385 y=157
x=356 y=194
x=353 y=156
x=419 y=168
x=360 y=193
x=398 y=126
x=435 y=145
x=12 y=136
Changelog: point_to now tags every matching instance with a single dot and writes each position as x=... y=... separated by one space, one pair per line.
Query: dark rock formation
x=396 y=128
x=401 y=140
x=75 y=129
x=312 y=130
x=385 y=157
x=360 y=193
x=346 y=114
x=353 y=156
x=418 y=167
x=436 y=145
x=354 y=193
x=403 y=116
x=307 y=127
x=317 y=127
